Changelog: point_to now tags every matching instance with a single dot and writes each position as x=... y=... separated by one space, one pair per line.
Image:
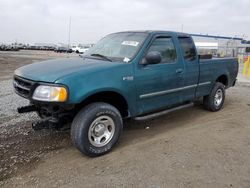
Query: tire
x=215 y=100
x=96 y=129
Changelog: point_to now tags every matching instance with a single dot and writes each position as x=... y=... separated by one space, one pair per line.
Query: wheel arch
x=223 y=79
x=113 y=98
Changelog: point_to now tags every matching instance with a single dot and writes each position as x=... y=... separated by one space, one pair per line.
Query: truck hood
x=52 y=70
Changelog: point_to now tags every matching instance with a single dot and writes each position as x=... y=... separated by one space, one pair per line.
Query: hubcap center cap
x=99 y=129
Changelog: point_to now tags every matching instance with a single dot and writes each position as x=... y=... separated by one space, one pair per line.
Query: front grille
x=22 y=86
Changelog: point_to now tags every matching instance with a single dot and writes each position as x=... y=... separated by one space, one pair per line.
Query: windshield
x=118 y=46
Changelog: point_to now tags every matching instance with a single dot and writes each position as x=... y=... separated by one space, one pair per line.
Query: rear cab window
x=188 y=48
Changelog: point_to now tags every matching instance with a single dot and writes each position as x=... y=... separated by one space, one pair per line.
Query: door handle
x=179 y=71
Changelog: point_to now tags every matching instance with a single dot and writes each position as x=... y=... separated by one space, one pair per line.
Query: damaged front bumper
x=52 y=116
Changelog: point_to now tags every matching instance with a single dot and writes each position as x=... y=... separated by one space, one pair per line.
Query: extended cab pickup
x=138 y=74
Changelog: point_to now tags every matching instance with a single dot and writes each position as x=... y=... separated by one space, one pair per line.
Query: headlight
x=50 y=94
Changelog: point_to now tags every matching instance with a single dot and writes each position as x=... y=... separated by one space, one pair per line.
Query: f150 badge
x=128 y=78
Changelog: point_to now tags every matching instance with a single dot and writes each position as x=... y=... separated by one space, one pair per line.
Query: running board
x=157 y=114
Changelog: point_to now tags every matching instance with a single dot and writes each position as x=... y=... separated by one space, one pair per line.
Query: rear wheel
x=215 y=100
x=96 y=129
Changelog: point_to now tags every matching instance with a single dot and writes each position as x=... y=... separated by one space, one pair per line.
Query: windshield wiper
x=102 y=56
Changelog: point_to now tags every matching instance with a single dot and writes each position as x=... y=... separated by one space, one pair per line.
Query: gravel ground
x=16 y=134
x=19 y=144
x=9 y=103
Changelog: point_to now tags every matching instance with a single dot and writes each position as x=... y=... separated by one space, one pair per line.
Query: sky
x=47 y=21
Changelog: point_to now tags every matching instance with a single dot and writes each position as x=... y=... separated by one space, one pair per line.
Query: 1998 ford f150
x=136 y=74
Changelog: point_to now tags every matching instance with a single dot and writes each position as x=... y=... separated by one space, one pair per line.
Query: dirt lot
x=10 y=61
x=188 y=148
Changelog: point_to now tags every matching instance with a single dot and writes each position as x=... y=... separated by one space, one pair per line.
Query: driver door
x=158 y=84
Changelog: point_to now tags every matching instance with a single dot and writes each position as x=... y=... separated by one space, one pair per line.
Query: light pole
x=69 y=32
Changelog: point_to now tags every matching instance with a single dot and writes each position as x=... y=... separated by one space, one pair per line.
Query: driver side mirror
x=153 y=57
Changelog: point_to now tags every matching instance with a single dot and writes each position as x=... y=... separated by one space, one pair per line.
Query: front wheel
x=215 y=100
x=96 y=129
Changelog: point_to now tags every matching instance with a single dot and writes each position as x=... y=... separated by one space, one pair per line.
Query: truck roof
x=156 y=32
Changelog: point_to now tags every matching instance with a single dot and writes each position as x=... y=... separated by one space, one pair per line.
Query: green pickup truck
x=134 y=74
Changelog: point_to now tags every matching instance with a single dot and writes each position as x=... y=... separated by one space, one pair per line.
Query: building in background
x=243 y=51
x=217 y=46
x=220 y=46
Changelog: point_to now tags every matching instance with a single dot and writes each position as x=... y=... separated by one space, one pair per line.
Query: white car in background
x=80 y=49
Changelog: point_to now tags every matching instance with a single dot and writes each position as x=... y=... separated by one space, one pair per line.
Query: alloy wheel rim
x=218 y=97
x=101 y=131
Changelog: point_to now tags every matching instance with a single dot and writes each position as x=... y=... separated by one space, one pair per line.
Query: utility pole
x=69 y=31
x=182 y=28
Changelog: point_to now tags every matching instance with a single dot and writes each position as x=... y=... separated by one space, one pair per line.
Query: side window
x=188 y=48
x=166 y=48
